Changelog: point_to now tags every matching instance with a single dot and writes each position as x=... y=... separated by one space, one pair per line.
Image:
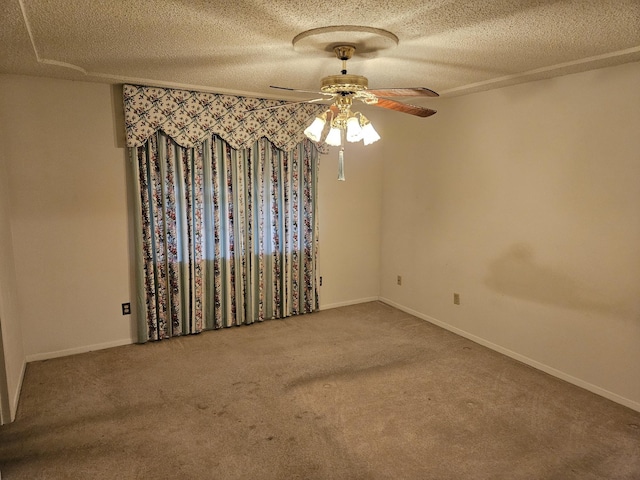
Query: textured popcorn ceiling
x=243 y=46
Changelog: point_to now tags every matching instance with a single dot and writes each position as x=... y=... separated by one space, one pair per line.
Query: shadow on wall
x=517 y=274
x=117 y=105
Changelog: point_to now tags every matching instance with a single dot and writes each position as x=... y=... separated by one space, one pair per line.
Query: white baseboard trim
x=16 y=394
x=73 y=351
x=521 y=358
x=349 y=302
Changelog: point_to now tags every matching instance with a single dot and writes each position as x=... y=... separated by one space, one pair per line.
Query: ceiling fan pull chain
x=341 y=165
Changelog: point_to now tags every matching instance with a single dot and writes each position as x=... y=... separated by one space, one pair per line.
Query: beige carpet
x=361 y=392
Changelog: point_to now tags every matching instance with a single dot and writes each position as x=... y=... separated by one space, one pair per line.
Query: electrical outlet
x=399 y=280
x=126 y=309
x=456 y=299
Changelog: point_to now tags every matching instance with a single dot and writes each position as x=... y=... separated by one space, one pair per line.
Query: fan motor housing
x=344 y=83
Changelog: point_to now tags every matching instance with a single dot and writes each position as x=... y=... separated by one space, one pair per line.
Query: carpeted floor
x=360 y=392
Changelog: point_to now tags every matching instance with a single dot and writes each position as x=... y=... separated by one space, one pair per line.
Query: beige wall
x=526 y=201
x=68 y=214
x=350 y=216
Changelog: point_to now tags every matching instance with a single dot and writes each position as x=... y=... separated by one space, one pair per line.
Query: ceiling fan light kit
x=340 y=119
x=339 y=124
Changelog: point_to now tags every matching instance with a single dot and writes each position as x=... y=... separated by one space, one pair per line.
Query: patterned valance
x=190 y=117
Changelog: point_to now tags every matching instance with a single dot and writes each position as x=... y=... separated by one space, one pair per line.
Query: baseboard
x=521 y=358
x=73 y=351
x=349 y=302
x=16 y=394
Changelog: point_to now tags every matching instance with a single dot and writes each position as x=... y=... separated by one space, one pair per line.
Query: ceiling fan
x=356 y=87
x=338 y=123
x=343 y=89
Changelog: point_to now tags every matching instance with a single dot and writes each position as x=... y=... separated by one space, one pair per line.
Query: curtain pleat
x=225 y=237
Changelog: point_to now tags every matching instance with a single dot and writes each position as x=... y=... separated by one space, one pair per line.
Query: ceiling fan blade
x=404 y=107
x=300 y=91
x=404 y=92
x=286 y=105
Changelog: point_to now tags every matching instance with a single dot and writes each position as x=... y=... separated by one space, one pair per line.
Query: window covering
x=224 y=237
x=190 y=117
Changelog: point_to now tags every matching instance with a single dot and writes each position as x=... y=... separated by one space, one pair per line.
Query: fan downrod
x=344 y=84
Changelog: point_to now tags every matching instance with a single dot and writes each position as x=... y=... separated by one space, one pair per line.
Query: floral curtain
x=225 y=235
x=191 y=117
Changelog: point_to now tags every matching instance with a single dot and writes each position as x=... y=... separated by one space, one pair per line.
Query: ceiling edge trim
x=125 y=79
x=538 y=71
x=40 y=59
x=181 y=86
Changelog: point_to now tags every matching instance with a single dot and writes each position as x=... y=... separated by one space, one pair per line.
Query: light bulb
x=334 y=138
x=314 y=131
x=354 y=130
x=369 y=134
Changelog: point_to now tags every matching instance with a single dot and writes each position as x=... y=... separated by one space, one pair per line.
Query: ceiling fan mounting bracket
x=344 y=52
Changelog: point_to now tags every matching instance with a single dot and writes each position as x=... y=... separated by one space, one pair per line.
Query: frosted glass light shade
x=314 y=131
x=334 y=138
x=369 y=134
x=354 y=130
